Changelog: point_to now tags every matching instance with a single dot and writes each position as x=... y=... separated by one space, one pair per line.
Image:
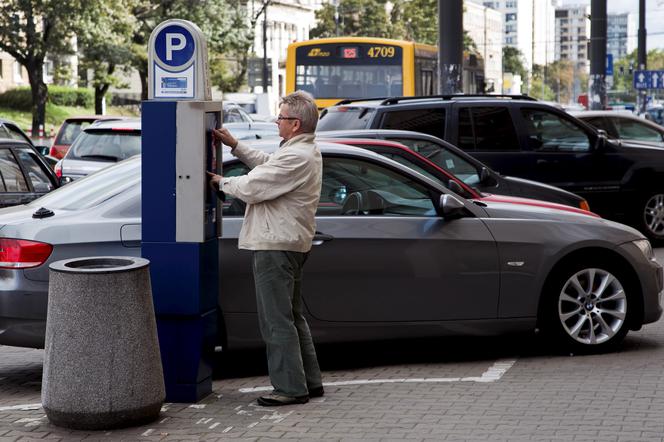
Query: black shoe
x=316 y=392
x=275 y=400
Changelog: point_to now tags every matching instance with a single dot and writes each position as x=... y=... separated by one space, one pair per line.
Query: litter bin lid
x=99 y=264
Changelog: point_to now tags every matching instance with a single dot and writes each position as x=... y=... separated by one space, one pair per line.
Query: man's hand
x=214 y=180
x=225 y=137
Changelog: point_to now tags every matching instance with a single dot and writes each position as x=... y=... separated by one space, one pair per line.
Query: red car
x=70 y=129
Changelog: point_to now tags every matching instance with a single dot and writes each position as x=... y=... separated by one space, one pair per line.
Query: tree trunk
x=143 y=74
x=39 y=95
x=100 y=92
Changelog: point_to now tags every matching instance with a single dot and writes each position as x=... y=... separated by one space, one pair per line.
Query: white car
x=624 y=126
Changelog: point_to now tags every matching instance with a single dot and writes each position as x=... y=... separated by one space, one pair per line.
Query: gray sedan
x=398 y=255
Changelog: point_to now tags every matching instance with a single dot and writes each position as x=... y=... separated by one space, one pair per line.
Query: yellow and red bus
x=334 y=69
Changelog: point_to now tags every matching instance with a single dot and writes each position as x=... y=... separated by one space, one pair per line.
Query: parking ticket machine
x=181 y=220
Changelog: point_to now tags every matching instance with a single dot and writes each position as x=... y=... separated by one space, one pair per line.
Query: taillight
x=23 y=254
x=584 y=205
x=53 y=152
x=58 y=169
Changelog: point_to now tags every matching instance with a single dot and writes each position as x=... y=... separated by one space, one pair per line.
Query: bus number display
x=381 y=52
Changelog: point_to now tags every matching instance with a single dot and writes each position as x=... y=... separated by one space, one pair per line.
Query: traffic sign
x=648 y=79
x=609 y=64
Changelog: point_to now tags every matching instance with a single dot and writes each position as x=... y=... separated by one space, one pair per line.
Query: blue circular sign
x=174 y=46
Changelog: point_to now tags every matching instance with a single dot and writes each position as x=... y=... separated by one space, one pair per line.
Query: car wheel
x=588 y=307
x=652 y=217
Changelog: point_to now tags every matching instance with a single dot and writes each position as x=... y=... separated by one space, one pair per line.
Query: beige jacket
x=282 y=191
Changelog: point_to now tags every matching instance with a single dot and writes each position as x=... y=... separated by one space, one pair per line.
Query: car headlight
x=645 y=247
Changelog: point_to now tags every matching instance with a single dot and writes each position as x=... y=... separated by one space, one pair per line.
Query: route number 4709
x=381 y=52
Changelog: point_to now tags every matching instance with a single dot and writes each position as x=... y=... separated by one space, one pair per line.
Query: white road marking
x=199 y=406
x=492 y=374
x=227 y=429
x=148 y=432
x=25 y=407
x=213 y=426
x=164 y=420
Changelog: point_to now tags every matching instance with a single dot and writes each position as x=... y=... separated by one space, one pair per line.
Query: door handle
x=320 y=238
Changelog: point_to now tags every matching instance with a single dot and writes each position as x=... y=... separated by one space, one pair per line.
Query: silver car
x=397 y=255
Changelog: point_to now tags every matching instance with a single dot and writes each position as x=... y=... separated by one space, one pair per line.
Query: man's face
x=288 y=124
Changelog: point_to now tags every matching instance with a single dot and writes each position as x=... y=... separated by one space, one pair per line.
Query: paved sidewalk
x=420 y=390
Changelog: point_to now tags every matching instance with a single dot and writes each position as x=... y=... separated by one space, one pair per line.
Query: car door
x=384 y=255
x=387 y=258
x=631 y=129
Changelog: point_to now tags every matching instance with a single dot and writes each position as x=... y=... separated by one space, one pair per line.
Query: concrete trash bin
x=102 y=367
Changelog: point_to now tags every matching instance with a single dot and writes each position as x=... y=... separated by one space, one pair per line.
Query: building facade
x=518 y=25
x=572 y=35
x=12 y=74
x=621 y=34
x=485 y=26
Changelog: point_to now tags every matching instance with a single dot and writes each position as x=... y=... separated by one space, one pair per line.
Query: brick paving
x=494 y=389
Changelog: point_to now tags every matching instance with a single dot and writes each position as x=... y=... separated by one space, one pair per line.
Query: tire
x=651 y=217
x=587 y=307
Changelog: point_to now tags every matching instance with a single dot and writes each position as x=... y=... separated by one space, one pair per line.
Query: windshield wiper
x=101 y=157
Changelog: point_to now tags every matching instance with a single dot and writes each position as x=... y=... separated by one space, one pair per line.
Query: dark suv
x=24 y=175
x=519 y=136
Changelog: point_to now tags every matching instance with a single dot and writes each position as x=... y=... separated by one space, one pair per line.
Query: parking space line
x=492 y=374
x=25 y=407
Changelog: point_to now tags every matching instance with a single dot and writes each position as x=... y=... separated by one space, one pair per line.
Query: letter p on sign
x=172 y=46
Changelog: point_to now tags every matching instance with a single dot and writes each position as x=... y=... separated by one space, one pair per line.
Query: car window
x=98 y=145
x=93 y=189
x=4 y=133
x=70 y=130
x=353 y=187
x=234 y=206
x=602 y=123
x=16 y=133
x=345 y=118
x=11 y=177
x=428 y=121
x=37 y=175
x=487 y=129
x=243 y=115
x=232 y=116
x=383 y=192
x=444 y=158
x=550 y=132
x=635 y=130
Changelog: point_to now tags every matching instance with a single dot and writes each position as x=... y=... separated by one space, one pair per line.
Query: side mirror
x=601 y=139
x=44 y=150
x=65 y=180
x=486 y=179
x=450 y=207
x=455 y=187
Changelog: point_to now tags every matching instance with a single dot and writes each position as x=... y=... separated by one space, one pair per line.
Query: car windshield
x=105 y=145
x=93 y=189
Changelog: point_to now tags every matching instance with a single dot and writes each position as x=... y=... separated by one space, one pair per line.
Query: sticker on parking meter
x=174 y=67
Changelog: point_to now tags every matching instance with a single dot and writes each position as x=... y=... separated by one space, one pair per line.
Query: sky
x=654 y=17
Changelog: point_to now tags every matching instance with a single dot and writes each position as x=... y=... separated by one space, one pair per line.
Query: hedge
x=21 y=97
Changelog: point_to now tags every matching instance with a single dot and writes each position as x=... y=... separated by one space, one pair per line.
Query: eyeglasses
x=281 y=117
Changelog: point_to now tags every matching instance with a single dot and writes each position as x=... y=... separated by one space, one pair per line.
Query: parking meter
x=181 y=220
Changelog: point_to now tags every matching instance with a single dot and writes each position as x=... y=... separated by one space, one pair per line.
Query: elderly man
x=282 y=191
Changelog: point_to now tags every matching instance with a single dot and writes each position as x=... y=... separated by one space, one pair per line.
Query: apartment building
x=485 y=27
x=621 y=34
x=572 y=35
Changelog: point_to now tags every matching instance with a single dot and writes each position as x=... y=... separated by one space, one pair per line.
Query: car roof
x=375 y=102
x=95 y=117
x=604 y=113
x=128 y=124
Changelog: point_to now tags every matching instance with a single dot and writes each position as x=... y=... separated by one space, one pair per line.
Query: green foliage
x=365 y=18
x=21 y=98
x=513 y=62
x=624 y=81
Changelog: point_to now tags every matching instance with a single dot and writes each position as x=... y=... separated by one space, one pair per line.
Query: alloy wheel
x=592 y=306
x=653 y=214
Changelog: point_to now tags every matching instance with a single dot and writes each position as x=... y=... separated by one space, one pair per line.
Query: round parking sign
x=174 y=47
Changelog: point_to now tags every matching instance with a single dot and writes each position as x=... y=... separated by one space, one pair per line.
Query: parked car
x=624 y=126
x=100 y=145
x=238 y=121
x=71 y=128
x=397 y=255
x=24 y=175
x=459 y=163
x=10 y=130
x=518 y=136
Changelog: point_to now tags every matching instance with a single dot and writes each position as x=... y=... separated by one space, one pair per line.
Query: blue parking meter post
x=180 y=214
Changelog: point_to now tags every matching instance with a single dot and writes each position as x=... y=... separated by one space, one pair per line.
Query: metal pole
x=450 y=46
x=642 y=56
x=597 y=82
x=265 y=73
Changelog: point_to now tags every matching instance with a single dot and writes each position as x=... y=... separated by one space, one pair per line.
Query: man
x=282 y=191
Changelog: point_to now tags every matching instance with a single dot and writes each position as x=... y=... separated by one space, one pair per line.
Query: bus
x=334 y=69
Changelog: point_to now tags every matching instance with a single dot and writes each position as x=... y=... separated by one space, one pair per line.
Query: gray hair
x=301 y=104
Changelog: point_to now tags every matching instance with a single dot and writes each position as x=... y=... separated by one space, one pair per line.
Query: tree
x=105 y=41
x=513 y=62
x=365 y=18
x=218 y=19
x=31 y=29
